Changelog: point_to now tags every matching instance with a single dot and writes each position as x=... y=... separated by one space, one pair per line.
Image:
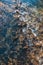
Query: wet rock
x=21 y=35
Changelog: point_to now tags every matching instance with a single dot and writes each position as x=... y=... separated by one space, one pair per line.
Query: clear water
x=37 y=3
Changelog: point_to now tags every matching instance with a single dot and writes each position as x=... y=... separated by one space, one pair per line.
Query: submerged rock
x=21 y=35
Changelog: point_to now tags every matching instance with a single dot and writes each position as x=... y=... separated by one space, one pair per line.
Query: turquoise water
x=32 y=2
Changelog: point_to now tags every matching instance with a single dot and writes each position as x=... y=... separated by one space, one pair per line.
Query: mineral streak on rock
x=21 y=34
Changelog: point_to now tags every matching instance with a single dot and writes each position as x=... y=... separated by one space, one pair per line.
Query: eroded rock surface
x=21 y=35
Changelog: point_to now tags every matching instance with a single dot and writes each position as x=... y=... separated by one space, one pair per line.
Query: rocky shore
x=21 y=35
